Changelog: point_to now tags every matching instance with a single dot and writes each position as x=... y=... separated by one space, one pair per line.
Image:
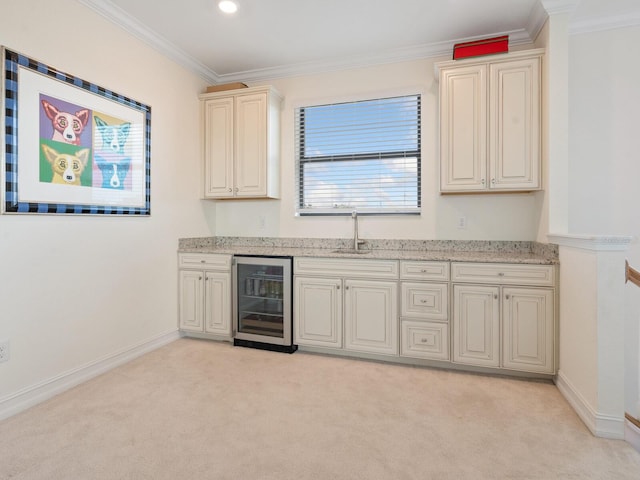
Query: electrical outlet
x=462 y=223
x=4 y=351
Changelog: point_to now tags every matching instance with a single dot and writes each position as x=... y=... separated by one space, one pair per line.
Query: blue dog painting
x=111 y=157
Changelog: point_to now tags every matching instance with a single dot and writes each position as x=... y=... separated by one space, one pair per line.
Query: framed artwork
x=71 y=147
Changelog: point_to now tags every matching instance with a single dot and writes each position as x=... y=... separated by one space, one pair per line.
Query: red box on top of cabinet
x=487 y=46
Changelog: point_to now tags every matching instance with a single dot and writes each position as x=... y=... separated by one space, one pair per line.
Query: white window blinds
x=362 y=156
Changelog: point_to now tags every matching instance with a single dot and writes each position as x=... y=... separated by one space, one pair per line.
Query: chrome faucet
x=356 y=241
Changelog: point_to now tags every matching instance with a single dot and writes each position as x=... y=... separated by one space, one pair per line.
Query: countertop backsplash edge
x=471 y=250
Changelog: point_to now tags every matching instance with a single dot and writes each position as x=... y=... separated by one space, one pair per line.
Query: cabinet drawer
x=425 y=340
x=503 y=273
x=425 y=301
x=210 y=261
x=424 y=270
x=348 y=267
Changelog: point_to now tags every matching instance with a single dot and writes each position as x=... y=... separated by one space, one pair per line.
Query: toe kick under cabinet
x=504 y=316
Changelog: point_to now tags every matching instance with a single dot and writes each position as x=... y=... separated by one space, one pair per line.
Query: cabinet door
x=217 y=303
x=218 y=146
x=371 y=316
x=476 y=325
x=514 y=124
x=251 y=145
x=318 y=312
x=191 y=300
x=463 y=128
x=528 y=329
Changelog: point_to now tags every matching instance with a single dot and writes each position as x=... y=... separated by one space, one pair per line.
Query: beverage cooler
x=262 y=298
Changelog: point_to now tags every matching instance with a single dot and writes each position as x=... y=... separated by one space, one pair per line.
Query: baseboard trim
x=601 y=425
x=35 y=394
x=632 y=432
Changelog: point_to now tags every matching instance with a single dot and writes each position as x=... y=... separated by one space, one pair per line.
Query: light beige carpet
x=204 y=410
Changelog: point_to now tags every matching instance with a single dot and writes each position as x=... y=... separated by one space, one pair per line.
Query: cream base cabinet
x=318 y=312
x=204 y=297
x=509 y=323
x=347 y=304
x=528 y=329
x=424 y=310
x=241 y=143
x=476 y=325
x=371 y=316
x=490 y=123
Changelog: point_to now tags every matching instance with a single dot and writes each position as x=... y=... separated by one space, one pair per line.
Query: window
x=362 y=156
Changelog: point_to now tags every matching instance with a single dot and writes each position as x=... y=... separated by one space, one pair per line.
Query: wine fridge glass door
x=260 y=300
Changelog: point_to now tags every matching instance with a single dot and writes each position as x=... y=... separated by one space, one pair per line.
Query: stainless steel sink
x=351 y=251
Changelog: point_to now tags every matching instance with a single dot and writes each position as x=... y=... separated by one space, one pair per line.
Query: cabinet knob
x=199 y=278
x=338 y=287
x=483 y=181
x=423 y=340
x=423 y=301
x=495 y=297
x=424 y=270
x=236 y=189
x=493 y=181
x=501 y=274
x=231 y=190
x=507 y=297
x=201 y=261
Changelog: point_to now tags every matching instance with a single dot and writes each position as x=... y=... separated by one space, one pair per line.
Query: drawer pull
x=423 y=340
x=423 y=301
x=424 y=270
x=501 y=274
x=201 y=261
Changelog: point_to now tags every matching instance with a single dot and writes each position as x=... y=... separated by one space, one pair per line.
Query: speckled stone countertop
x=434 y=250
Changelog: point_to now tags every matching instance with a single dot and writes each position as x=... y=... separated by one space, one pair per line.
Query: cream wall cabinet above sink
x=241 y=143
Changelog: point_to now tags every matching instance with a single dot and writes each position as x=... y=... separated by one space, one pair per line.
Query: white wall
x=78 y=289
x=604 y=146
x=489 y=217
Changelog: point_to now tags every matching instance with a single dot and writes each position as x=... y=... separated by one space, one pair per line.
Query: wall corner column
x=592 y=318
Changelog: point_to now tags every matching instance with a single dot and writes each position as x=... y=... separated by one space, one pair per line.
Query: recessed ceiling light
x=227 y=6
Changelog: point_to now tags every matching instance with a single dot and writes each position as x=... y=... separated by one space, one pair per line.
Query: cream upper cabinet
x=490 y=123
x=241 y=143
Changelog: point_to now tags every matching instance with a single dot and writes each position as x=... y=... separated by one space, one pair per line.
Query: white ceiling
x=275 y=38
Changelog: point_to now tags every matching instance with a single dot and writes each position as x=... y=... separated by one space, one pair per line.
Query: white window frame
x=352 y=158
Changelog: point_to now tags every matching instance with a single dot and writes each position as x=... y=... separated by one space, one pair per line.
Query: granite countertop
x=451 y=250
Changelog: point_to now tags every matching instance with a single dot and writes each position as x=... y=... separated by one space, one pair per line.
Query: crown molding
x=119 y=17
x=537 y=18
x=611 y=22
x=116 y=15
x=555 y=7
x=440 y=49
